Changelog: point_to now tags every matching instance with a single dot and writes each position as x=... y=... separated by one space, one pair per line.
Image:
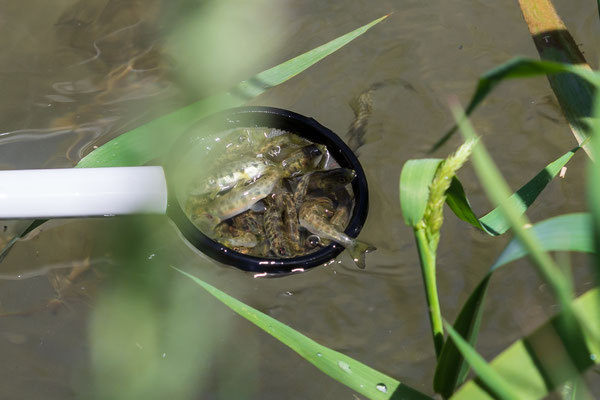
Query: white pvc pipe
x=82 y=192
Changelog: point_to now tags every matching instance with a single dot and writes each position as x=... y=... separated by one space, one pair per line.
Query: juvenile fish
x=277 y=147
x=326 y=181
x=249 y=221
x=313 y=217
x=231 y=236
x=236 y=201
x=301 y=160
x=275 y=229
x=341 y=217
x=290 y=218
x=228 y=175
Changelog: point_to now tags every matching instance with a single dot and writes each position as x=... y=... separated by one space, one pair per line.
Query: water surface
x=61 y=98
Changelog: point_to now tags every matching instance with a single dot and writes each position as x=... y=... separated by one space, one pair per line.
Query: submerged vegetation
x=554 y=357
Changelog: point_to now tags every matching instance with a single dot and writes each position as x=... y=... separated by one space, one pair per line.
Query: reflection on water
x=78 y=74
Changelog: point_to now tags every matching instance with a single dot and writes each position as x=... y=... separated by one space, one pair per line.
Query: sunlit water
x=61 y=97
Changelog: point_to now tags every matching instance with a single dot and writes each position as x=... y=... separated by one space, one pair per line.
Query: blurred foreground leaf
x=528 y=363
x=357 y=376
x=154 y=139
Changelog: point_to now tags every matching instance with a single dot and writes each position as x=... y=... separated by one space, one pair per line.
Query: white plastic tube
x=82 y=192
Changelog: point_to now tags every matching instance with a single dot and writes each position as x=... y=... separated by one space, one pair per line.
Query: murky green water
x=68 y=86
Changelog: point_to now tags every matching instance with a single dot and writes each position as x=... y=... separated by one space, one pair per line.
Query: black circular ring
x=280 y=119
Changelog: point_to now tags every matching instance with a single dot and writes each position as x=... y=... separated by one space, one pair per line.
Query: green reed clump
x=427 y=235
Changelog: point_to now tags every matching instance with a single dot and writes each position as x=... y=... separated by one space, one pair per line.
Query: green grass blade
x=570 y=232
x=152 y=140
x=494 y=222
x=357 y=376
x=499 y=193
x=518 y=68
x=521 y=363
x=451 y=369
x=415 y=178
x=559 y=282
x=494 y=382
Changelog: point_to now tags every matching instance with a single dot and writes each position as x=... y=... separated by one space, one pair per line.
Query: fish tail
x=357 y=252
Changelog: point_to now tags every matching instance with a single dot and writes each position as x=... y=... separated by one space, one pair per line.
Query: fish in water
x=275 y=227
x=301 y=160
x=313 y=217
x=231 y=236
x=227 y=176
x=362 y=106
x=342 y=211
x=236 y=201
x=290 y=219
x=249 y=221
x=326 y=181
x=278 y=147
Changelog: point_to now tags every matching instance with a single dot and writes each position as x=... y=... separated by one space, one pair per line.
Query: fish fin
x=357 y=252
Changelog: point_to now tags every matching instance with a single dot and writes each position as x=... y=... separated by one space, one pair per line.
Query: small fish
x=313 y=217
x=341 y=217
x=290 y=218
x=227 y=175
x=277 y=147
x=231 y=236
x=331 y=180
x=326 y=181
x=275 y=229
x=249 y=221
x=300 y=190
x=301 y=160
x=236 y=201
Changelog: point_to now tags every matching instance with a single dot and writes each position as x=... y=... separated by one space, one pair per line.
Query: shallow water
x=59 y=102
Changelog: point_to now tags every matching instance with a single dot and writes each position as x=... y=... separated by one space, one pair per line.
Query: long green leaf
x=527 y=363
x=414 y=191
x=518 y=68
x=569 y=232
x=494 y=222
x=451 y=369
x=357 y=376
x=498 y=191
x=494 y=382
x=152 y=140
x=415 y=179
x=567 y=325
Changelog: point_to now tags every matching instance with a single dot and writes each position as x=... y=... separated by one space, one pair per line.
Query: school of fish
x=275 y=198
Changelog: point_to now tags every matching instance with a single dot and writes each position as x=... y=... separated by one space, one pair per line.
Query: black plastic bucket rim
x=280 y=119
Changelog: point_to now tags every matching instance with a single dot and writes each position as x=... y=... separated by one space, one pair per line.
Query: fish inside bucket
x=265 y=192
